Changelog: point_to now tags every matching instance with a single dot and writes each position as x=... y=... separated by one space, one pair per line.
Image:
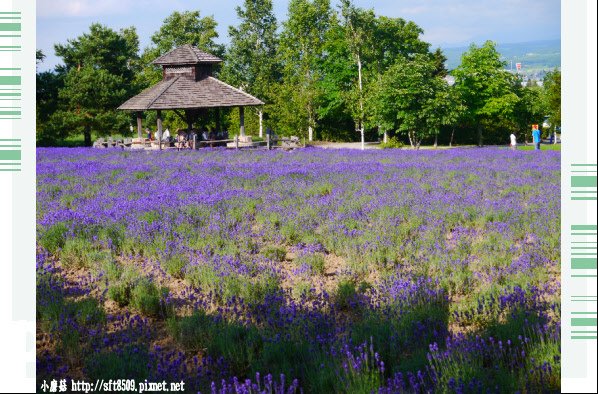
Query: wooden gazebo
x=188 y=85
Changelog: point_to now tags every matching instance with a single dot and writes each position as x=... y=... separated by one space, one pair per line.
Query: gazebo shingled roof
x=182 y=92
x=186 y=54
x=187 y=84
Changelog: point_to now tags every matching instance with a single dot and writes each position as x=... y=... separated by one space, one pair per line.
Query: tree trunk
x=436 y=141
x=385 y=137
x=260 y=114
x=452 y=135
x=409 y=134
x=480 y=136
x=310 y=121
x=362 y=138
x=87 y=135
x=360 y=103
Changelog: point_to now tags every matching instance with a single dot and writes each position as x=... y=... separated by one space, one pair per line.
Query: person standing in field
x=536 y=136
x=513 y=141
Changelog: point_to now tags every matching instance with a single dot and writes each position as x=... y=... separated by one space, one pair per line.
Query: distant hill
x=534 y=56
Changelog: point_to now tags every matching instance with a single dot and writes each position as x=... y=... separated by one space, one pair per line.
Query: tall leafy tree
x=393 y=37
x=102 y=48
x=552 y=89
x=530 y=109
x=47 y=86
x=300 y=52
x=90 y=97
x=251 y=61
x=359 y=35
x=486 y=87
x=361 y=44
x=98 y=76
x=412 y=99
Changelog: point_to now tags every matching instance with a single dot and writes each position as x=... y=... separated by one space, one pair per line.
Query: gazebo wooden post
x=218 y=125
x=159 y=113
x=242 y=121
x=139 y=125
x=189 y=117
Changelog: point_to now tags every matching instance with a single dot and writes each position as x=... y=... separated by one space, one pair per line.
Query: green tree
x=440 y=63
x=102 y=48
x=381 y=40
x=455 y=111
x=300 y=52
x=47 y=86
x=530 y=109
x=359 y=35
x=486 y=87
x=412 y=99
x=552 y=89
x=98 y=76
x=251 y=61
x=393 y=37
x=89 y=99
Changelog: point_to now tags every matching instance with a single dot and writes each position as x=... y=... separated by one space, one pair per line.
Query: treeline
x=338 y=74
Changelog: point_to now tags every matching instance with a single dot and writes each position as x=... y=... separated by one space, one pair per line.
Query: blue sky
x=446 y=23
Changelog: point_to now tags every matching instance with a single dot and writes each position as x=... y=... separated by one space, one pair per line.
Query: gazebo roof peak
x=186 y=55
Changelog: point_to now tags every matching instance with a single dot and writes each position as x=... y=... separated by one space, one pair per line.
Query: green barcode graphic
x=10 y=93
x=583 y=182
x=10 y=27
x=584 y=250
x=584 y=324
x=10 y=155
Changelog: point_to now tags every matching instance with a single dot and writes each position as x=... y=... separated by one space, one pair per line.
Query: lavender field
x=307 y=271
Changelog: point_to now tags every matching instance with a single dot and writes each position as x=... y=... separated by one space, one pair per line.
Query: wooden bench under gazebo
x=188 y=85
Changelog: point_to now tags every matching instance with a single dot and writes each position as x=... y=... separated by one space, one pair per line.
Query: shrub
x=392 y=143
x=239 y=345
x=255 y=290
x=54 y=237
x=301 y=289
x=68 y=344
x=120 y=293
x=112 y=270
x=87 y=311
x=346 y=295
x=76 y=253
x=314 y=260
x=175 y=266
x=148 y=299
x=275 y=253
x=131 y=362
x=204 y=277
x=115 y=235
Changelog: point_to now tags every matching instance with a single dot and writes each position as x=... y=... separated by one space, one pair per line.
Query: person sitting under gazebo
x=181 y=140
x=166 y=135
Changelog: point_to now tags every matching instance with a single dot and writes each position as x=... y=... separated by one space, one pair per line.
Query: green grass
x=555 y=147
